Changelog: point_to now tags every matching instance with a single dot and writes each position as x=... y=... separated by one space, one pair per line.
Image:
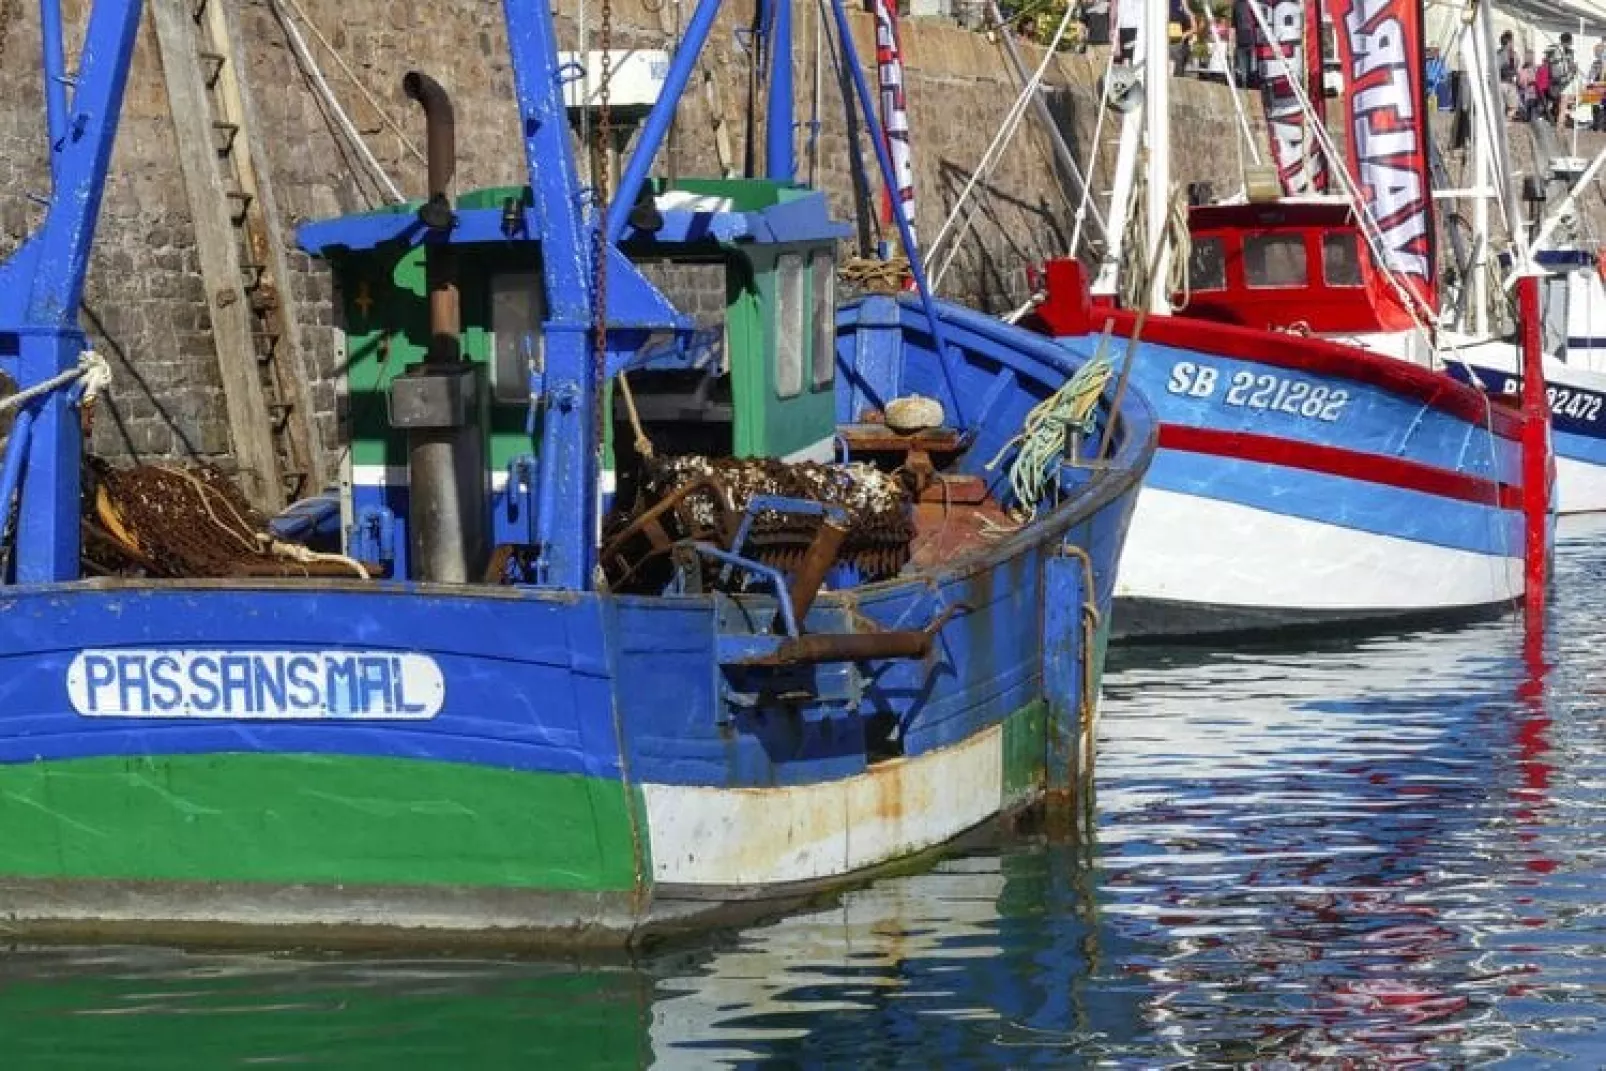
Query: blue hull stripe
x=1226 y=394
x=1347 y=503
x=1589 y=449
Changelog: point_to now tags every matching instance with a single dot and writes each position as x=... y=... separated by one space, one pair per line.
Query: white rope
x=351 y=76
x=303 y=556
x=1093 y=157
x=1249 y=138
x=1029 y=305
x=309 y=67
x=995 y=151
x=1135 y=272
x=91 y=368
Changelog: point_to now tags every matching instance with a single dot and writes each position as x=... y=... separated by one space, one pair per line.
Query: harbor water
x=1379 y=852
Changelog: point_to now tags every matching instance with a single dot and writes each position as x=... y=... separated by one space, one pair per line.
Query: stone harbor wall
x=145 y=304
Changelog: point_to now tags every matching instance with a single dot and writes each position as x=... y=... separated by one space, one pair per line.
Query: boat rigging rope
x=351 y=76
x=1044 y=435
x=1085 y=204
x=1135 y=273
x=1248 y=139
x=342 y=121
x=91 y=368
x=994 y=153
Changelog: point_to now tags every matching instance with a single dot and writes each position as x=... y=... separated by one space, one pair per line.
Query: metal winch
x=708 y=499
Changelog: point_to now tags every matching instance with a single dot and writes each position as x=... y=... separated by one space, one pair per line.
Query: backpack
x=1561 y=69
x=1542 y=79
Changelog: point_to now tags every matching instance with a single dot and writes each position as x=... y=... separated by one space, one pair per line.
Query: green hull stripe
x=314 y=818
x=1025 y=749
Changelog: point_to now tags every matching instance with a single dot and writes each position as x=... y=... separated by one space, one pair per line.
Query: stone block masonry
x=145 y=305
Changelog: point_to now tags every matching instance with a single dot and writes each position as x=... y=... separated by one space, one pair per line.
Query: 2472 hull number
x=1264 y=390
x=1564 y=401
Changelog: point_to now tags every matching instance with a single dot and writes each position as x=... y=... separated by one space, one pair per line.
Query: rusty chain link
x=599 y=244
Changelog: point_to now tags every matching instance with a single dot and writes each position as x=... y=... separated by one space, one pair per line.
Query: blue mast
x=43 y=282
x=55 y=76
x=569 y=463
x=778 y=155
x=878 y=138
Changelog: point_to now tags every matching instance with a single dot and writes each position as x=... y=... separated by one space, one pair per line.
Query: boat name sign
x=255 y=684
x=1281 y=394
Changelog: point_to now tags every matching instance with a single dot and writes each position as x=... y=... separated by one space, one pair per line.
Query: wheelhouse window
x=518 y=308
x=1341 y=259
x=1207 y=265
x=1275 y=260
x=822 y=268
x=790 y=330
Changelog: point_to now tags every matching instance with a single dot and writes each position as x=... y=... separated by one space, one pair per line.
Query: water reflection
x=1377 y=853
x=1380 y=853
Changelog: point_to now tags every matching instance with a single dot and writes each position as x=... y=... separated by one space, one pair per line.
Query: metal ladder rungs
x=229 y=131
x=268 y=341
x=242 y=203
x=217 y=60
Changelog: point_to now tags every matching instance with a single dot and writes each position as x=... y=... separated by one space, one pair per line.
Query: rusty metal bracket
x=826 y=647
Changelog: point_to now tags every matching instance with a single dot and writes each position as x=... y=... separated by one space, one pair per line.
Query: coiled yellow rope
x=1043 y=437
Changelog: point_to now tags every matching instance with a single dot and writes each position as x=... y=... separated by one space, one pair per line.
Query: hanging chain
x=599 y=240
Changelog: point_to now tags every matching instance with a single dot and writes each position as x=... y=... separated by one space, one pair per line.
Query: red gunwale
x=1319 y=357
x=1336 y=461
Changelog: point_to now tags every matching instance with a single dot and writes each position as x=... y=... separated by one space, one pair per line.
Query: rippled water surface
x=1377 y=853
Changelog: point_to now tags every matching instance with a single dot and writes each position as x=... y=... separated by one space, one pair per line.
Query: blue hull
x=578 y=700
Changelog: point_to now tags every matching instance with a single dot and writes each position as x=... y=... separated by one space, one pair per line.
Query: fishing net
x=162 y=520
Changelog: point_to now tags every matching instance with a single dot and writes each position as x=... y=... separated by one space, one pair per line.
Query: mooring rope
x=91 y=368
x=1043 y=437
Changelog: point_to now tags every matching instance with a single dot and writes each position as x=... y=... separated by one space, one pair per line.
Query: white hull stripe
x=396 y=476
x=753 y=836
x=1188 y=548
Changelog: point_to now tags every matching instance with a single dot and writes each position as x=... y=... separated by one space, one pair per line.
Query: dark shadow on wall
x=997 y=281
x=864 y=214
x=1067 y=106
x=129 y=377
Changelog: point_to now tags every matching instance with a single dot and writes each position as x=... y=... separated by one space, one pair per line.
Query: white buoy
x=914 y=413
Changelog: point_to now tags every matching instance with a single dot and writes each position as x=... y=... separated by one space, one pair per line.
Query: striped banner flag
x=1300 y=166
x=894 y=113
x=1381 y=47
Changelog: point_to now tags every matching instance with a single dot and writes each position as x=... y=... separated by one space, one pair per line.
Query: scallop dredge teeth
x=878 y=504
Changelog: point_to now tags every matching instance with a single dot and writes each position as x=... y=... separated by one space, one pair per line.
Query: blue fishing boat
x=630 y=625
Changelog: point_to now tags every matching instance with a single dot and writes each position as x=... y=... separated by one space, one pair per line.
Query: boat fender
x=914 y=413
x=1125 y=90
x=1600 y=264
